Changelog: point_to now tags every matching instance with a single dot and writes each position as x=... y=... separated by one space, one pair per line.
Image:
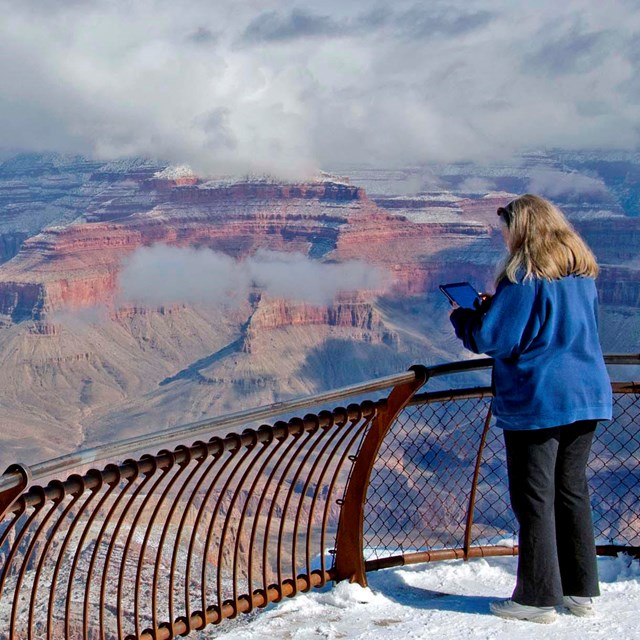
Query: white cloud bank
x=287 y=87
x=557 y=183
x=164 y=274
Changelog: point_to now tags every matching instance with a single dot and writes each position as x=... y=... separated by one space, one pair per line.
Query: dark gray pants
x=550 y=497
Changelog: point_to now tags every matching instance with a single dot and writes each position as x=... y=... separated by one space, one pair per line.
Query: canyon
x=80 y=365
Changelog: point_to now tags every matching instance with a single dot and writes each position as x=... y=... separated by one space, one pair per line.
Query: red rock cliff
x=353 y=313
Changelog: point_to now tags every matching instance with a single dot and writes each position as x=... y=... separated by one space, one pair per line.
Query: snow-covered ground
x=444 y=601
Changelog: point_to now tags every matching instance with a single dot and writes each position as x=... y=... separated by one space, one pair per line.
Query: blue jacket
x=549 y=370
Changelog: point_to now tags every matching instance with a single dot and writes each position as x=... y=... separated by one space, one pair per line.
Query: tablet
x=462 y=294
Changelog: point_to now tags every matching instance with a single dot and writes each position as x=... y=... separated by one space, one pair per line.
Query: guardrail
x=160 y=545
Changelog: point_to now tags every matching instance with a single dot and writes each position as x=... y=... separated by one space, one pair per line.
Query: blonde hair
x=542 y=243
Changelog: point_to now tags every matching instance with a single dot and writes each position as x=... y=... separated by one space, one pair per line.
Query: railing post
x=349 y=560
x=8 y=497
x=474 y=485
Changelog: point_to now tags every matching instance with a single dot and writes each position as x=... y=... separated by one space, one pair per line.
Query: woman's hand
x=485 y=302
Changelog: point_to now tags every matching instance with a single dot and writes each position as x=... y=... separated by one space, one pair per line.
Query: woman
x=551 y=387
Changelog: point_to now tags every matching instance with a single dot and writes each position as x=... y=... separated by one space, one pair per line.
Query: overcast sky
x=288 y=87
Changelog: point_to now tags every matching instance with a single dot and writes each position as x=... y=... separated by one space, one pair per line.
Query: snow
x=492 y=195
x=442 y=600
x=435 y=215
x=175 y=172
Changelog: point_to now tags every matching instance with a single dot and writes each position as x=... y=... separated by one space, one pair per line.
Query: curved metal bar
x=240 y=523
x=127 y=545
x=112 y=545
x=359 y=433
x=474 y=484
x=51 y=536
x=335 y=432
x=285 y=509
x=147 y=535
x=7 y=532
x=25 y=562
x=249 y=450
x=217 y=443
x=292 y=482
x=94 y=556
x=256 y=518
x=349 y=560
x=282 y=433
x=303 y=495
x=296 y=431
x=367 y=410
x=16 y=545
x=245 y=509
x=194 y=533
x=165 y=530
x=63 y=548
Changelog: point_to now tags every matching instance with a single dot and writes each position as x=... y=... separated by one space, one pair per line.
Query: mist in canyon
x=163 y=274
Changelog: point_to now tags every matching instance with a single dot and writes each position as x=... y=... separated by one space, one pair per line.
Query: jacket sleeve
x=506 y=327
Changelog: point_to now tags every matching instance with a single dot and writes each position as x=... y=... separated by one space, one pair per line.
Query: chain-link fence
x=419 y=494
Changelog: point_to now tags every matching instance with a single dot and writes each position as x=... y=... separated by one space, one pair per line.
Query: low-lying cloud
x=559 y=183
x=163 y=274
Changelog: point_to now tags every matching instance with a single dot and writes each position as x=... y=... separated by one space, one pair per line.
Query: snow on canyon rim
x=444 y=600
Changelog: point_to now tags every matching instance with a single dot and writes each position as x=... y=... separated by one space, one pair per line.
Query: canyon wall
x=73 y=375
x=77 y=265
x=353 y=312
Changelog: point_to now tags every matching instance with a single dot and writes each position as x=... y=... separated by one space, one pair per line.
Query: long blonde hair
x=542 y=243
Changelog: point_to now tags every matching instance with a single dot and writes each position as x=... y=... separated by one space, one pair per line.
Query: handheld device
x=462 y=294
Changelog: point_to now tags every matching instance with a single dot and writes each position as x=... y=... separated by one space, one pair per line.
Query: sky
x=282 y=87
x=439 y=601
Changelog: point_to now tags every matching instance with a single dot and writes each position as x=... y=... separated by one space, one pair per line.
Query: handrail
x=191 y=430
x=13 y=479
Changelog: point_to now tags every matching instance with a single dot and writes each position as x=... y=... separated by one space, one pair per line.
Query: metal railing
x=162 y=544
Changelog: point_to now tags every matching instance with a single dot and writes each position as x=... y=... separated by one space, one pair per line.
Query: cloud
x=79 y=319
x=286 y=87
x=296 y=277
x=426 y=21
x=273 y=26
x=570 y=51
x=558 y=183
x=475 y=185
x=203 y=36
x=162 y=274
x=413 y=22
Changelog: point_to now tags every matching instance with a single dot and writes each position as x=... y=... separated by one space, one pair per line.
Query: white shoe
x=579 y=605
x=514 y=611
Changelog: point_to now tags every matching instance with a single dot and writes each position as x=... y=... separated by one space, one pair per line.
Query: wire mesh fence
x=418 y=496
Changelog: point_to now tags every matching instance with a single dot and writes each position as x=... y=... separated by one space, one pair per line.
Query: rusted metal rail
x=158 y=545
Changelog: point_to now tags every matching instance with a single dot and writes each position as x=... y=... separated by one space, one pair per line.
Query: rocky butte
x=79 y=365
